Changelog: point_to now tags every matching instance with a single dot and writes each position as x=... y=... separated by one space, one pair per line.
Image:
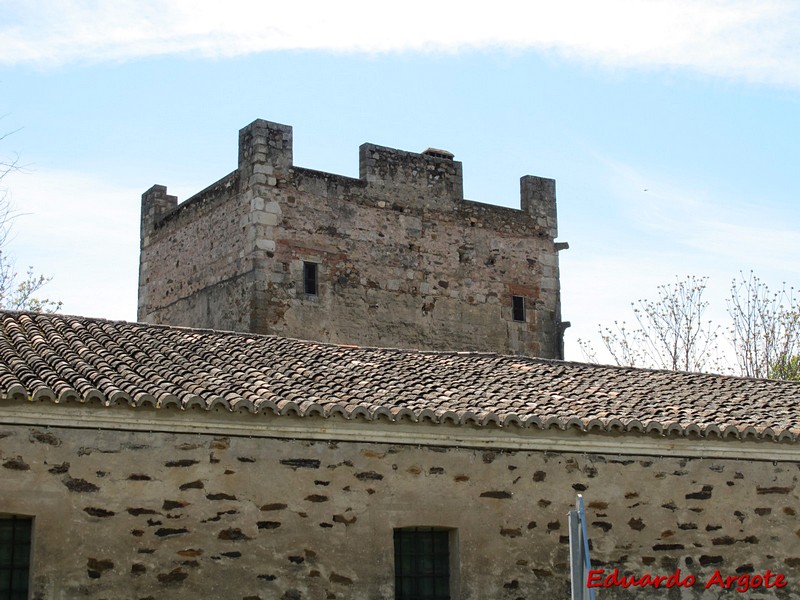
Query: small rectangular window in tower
x=422 y=563
x=310 y=279
x=518 y=308
x=15 y=555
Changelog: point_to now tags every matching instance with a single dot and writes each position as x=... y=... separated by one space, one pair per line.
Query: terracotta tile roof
x=74 y=359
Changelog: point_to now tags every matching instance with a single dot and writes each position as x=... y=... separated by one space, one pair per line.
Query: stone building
x=151 y=462
x=395 y=258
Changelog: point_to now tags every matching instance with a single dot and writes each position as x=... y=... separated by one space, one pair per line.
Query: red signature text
x=747 y=581
x=614 y=579
x=739 y=583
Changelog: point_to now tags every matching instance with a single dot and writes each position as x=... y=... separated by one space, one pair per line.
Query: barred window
x=15 y=553
x=422 y=563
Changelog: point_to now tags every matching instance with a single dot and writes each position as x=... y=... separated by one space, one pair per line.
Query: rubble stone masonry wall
x=187 y=515
x=402 y=259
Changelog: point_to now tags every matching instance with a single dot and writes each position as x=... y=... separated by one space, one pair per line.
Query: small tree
x=670 y=331
x=17 y=292
x=787 y=368
x=765 y=330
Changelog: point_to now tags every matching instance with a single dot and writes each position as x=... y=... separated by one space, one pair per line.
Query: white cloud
x=740 y=39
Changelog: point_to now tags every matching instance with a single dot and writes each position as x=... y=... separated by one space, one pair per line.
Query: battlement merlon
x=155 y=204
x=538 y=199
x=265 y=150
x=431 y=178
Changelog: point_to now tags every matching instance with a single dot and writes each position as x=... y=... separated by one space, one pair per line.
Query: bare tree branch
x=17 y=292
x=670 y=331
x=765 y=329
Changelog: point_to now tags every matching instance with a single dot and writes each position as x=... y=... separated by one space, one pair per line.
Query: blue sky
x=672 y=128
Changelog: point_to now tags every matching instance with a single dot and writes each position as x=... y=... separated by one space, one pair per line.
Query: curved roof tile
x=60 y=358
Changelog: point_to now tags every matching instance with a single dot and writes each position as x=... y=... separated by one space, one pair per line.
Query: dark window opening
x=15 y=553
x=422 y=563
x=310 y=279
x=518 y=308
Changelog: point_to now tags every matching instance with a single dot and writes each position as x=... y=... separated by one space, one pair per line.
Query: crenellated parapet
x=430 y=180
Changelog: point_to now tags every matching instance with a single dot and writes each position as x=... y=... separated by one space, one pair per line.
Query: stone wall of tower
x=401 y=258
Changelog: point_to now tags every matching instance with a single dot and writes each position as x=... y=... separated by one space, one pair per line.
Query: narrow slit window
x=310 y=278
x=422 y=563
x=518 y=308
x=15 y=556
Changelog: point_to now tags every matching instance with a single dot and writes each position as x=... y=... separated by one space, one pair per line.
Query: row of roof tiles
x=65 y=359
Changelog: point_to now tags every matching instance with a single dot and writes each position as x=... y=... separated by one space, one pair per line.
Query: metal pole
x=580 y=562
x=575 y=558
x=588 y=592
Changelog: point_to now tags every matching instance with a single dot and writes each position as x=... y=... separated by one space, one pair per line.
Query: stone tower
x=395 y=258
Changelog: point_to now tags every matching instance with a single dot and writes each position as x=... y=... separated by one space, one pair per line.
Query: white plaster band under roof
x=335 y=429
x=55 y=359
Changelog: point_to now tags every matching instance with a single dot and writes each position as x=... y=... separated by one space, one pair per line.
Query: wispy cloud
x=739 y=39
x=729 y=230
